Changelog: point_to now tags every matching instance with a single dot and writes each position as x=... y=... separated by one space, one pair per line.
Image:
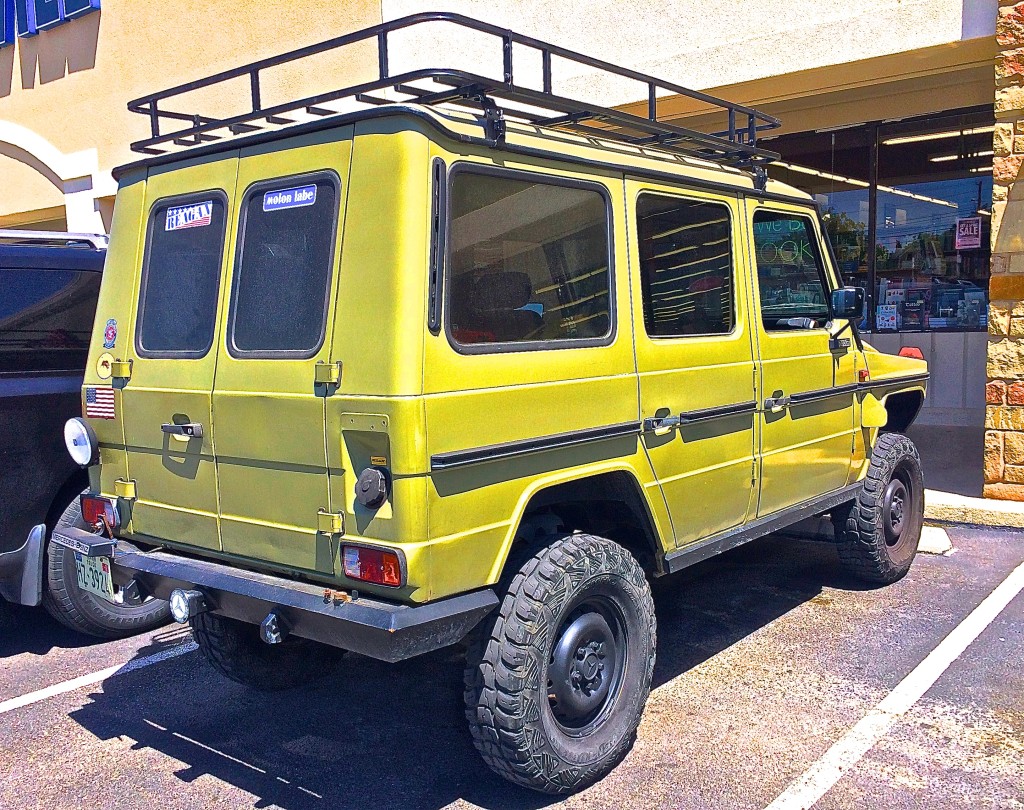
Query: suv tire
x=82 y=611
x=236 y=650
x=878 y=534
x=556 y=682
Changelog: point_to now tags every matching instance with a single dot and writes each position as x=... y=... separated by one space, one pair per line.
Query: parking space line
x=817 y=780
x=95 y=677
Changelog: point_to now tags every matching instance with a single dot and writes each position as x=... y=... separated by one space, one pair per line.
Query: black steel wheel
x=556 y=682
x=878 y=534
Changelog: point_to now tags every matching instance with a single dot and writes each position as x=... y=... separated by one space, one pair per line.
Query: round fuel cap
x=371 y=488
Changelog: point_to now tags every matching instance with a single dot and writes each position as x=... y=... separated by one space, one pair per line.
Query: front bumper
x=384 y=630
x=21 y=570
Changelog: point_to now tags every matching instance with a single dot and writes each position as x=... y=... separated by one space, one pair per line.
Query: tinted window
x=178 y=306
x=685 y=266
x=46 y=319
x=790 y=273
x=528 y=261
x=283 y=272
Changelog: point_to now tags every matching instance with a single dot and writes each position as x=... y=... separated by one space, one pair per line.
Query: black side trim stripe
x=703 y=415
x=916 y=378
x=731 y=538
x=494 y=452
x=823 y=393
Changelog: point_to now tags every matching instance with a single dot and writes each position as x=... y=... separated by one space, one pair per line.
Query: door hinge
x=125 y=489
x=121 y=369
x=330 y=522
x=327 y=374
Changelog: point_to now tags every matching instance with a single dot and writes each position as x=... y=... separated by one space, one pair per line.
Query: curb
x=948 y=508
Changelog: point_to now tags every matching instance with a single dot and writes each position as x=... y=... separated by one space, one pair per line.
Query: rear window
x=181 y=276
x=283 y=270
x=46 y=318
x=528 y=262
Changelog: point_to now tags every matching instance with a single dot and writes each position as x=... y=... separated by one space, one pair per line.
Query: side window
x=528 y=261
x=790 y=272
x=283 y=268
x=685 y=266
x=181 y=276
x=46 y=318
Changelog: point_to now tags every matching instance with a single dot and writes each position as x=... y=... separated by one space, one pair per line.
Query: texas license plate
x=94 y=576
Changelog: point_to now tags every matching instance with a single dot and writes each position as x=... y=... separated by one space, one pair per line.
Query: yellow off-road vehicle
x=445 y=358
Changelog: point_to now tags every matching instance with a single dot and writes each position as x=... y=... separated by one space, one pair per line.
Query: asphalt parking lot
x=767 y=656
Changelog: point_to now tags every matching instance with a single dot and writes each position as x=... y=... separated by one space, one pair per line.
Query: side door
x=271 y=451
x=808 y=384
x=694 y=355
x=174 y=331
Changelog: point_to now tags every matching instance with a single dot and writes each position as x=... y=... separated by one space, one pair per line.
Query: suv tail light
x=372 y=565
x=99 y=513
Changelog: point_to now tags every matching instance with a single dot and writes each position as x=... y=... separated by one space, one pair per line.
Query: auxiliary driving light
x=186 y=604
x=81 y=441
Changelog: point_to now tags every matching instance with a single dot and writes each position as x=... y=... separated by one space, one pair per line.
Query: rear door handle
x=190 y=430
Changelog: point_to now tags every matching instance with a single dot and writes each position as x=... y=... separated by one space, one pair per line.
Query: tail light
x=99 y=513
x=911 y=351
x=372 y=565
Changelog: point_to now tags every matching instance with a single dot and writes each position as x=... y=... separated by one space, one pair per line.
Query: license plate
x=94 y=576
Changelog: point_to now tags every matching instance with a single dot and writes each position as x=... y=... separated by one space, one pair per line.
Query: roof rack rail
x=496 y=99
x=97 y=241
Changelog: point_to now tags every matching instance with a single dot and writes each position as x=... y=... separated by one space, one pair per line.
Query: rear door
x=271 y=452
x=173 y=353
x=694 y=355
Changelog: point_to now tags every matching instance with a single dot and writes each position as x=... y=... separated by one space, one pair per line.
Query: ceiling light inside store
x=982 y=170
x=938 y=136
x=946 y=158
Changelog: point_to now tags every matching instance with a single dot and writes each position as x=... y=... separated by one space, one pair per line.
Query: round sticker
x=105 y=366
x=110 y=334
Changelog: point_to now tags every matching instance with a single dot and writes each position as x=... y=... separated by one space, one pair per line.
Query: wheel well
x=74 y=486
x=902 y=409
x=609 y=505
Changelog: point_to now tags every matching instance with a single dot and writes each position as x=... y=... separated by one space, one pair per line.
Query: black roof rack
x=497 y=99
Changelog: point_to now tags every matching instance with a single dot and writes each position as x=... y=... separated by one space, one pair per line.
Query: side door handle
x=653 y=423
x=190 y=430
x=777 y=404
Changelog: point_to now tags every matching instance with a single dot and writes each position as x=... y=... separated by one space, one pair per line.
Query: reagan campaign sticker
x=196 y=215
x=110 y=334
x=289 y=198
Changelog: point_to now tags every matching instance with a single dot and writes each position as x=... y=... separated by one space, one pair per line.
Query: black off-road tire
x=523 y=733
x=82 y=611
x=236 y=650
x=878 y=534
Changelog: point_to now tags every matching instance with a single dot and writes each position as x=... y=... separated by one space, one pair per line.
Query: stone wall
x=1004 y=391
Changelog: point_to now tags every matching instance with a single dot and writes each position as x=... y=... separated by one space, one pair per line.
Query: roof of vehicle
x=510 y=114
x=51 y=250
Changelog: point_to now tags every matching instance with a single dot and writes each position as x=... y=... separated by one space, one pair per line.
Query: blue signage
x=26 y=18
x=47 y=14
x=6 y=22
x=289 y=198
x=76 y=8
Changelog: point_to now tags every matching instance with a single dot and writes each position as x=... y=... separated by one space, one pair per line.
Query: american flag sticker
x=195 y=215
x=99 y=403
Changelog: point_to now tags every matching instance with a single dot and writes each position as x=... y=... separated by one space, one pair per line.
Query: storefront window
x=910 y=226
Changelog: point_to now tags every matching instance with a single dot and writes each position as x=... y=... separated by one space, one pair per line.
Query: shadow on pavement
x=34 y=631
x=394 y=736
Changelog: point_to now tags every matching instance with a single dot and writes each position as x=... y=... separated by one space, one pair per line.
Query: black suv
x=49 y=283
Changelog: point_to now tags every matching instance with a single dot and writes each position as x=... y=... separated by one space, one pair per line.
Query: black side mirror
x=847 y=302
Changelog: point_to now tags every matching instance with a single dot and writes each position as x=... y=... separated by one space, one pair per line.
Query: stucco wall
x=70 y=84
x=710 y=43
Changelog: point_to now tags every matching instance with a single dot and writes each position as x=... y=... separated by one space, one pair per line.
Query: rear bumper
x=21 y=570
x=384 y=630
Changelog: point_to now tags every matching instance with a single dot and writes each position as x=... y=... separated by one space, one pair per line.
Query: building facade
x=902 y=117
